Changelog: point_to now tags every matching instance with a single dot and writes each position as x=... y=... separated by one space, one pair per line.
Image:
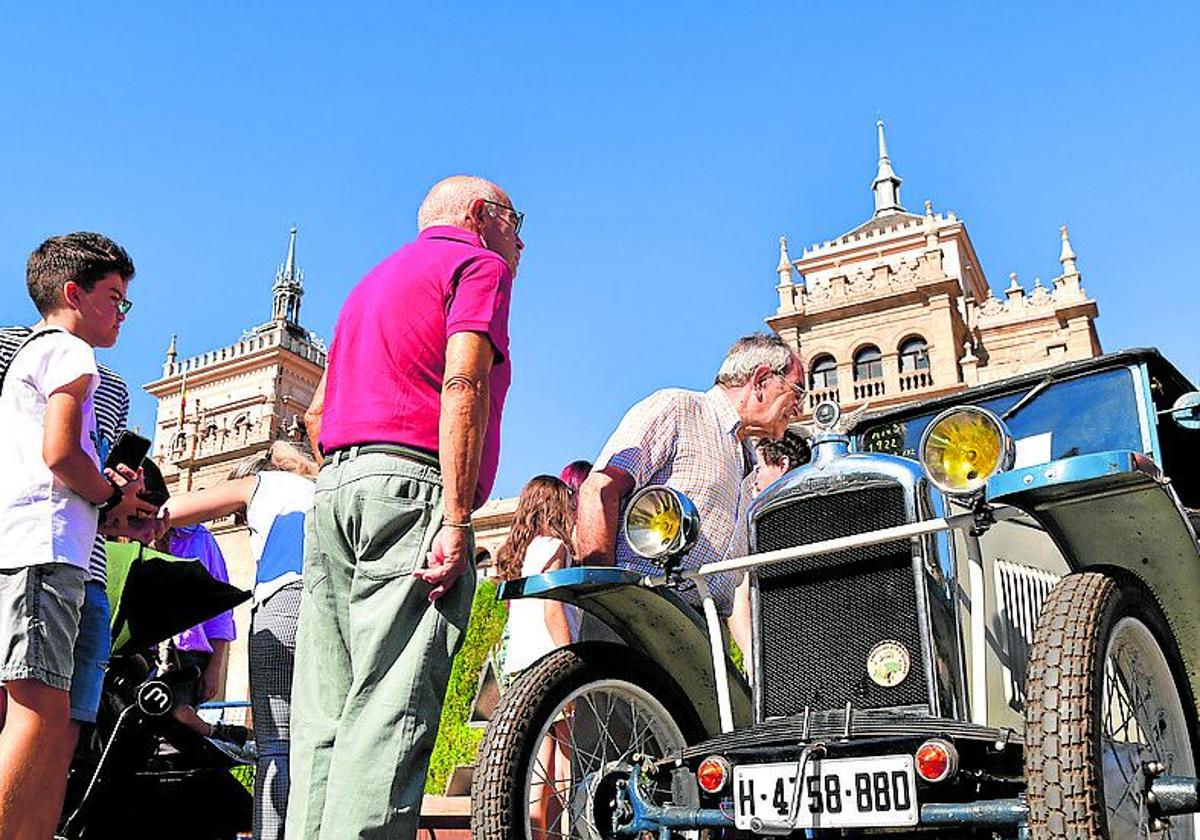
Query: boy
x=52 y=496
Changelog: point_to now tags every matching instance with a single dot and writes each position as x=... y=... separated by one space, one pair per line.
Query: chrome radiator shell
x=816 y=645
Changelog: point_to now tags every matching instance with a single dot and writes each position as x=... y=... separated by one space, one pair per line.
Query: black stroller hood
x=155 y=596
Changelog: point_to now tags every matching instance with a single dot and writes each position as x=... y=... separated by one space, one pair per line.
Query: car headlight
x=660 y=522
x=963 y=447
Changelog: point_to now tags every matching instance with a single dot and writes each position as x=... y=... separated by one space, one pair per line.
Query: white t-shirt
x=276 y=518
x=529 y=638
x=41 y=519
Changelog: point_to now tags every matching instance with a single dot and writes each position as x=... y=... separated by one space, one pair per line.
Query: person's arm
x=599 y=510
x=739 y=623
x=312 y=417
x=212 y=680
x=555 y=612
x=62 y=431
x=461 y=430
x=213 y=502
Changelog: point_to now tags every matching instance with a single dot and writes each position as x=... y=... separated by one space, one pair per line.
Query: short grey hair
x=449 y=200
x=750 y=352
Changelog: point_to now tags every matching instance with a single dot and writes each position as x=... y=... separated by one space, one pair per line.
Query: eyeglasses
x=518 y=216
x=796 y=387
x=124 y=305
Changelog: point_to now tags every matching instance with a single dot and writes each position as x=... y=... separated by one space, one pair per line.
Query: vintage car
x=975 y=616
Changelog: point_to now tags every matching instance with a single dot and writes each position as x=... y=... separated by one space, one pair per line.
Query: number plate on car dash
x=835 y=793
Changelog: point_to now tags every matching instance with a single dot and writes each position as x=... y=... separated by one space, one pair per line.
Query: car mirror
x=1186 y=411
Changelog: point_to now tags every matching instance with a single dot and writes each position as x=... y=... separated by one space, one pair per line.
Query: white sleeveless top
x=528 y=637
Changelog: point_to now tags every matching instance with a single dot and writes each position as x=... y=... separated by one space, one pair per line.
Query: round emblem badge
x=888 y=664
x=826 y=414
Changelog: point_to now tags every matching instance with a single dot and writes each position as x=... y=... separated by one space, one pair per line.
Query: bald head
x=450 y=200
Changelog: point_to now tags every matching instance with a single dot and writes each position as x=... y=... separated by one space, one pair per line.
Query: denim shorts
x=39 y=621
x=91 y=653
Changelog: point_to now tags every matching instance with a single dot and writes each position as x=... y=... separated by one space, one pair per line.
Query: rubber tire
x=497 y=809
x=1063 y=693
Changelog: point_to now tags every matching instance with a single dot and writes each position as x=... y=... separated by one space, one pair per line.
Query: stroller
x=142 y=774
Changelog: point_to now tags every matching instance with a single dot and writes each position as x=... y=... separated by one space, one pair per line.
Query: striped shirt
x=112 y=414
x=689 y=441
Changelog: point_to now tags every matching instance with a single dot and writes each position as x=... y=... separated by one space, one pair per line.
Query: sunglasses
x=517 y=216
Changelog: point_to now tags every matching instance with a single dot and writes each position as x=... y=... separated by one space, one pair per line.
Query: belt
x=399 y=450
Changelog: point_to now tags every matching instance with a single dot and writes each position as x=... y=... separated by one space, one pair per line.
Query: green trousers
x=372 y=654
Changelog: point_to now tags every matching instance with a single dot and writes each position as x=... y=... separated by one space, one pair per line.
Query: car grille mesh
x=822 y=616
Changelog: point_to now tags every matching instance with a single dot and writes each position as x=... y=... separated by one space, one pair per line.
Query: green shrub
x=457 y=743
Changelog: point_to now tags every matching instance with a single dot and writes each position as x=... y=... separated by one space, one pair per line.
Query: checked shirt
x=688 y=440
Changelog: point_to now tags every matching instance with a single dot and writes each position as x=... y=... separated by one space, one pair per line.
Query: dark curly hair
x=792 y=447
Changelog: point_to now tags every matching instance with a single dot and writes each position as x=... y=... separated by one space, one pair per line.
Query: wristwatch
x=111 y=502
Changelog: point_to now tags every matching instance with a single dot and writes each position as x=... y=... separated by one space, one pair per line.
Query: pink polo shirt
x=388 y=357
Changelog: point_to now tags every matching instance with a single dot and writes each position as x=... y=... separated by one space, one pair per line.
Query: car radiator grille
x=1022 y=591
x=822 y=616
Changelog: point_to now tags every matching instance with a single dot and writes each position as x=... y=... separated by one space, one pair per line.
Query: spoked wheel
x=1105 y=699
x=562 y=736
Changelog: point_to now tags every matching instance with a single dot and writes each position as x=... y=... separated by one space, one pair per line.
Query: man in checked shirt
x=699 y=443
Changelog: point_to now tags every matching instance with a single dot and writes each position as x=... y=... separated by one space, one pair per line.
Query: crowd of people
x=364 y=556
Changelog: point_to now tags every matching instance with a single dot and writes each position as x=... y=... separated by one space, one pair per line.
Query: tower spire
x=784 y=269
x=886 y=185
x=288 y=287
x=1067 y=255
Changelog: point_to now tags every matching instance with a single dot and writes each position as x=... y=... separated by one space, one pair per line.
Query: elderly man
x=408 y=421
x=698 y=443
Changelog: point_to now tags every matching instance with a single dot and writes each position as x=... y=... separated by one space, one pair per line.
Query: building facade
x=220 y=407
x=899 y=308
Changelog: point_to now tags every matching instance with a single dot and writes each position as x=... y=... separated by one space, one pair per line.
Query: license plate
x=835 y=793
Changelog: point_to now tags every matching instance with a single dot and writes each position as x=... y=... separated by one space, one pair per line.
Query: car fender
x=655 y=621
x=1115 y=509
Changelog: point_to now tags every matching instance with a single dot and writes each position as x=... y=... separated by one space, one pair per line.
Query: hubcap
x=599 y=726
x=1142 y=721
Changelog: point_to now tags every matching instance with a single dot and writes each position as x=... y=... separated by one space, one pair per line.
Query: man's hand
x=146 y=531
x=450 y=554
x=131 y=483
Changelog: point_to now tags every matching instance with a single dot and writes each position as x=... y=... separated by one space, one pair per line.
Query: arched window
x=868 y=363
x=914 y=355
x=178 y=443
x=824 y=372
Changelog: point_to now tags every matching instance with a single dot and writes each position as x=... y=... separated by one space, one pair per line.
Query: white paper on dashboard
x=1033 y=450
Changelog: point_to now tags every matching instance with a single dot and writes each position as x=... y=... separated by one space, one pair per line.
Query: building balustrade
x=865 y=389
x=916 y=380
x=819 y=395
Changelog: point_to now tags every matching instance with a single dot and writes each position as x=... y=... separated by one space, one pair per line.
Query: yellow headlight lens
x=963 y=447
x=660 y=521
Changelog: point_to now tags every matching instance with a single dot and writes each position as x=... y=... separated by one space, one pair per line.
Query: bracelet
x=111 y=502
x=466 y=526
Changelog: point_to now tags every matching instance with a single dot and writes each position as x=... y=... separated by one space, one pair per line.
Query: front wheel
x=562 y=734
x=1106 y=697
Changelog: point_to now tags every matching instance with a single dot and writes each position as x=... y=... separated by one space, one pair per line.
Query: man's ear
x=760 y=376
x=71 y=292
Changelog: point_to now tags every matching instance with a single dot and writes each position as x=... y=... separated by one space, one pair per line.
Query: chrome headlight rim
x=689 y=521
x=1004 y=462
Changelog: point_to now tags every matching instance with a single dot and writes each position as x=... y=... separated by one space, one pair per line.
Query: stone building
x=899 y=308
x=224 y=405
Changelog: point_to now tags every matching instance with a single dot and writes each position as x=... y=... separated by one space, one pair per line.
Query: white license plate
x=835 y=793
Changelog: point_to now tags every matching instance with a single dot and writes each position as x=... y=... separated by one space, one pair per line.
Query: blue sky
x=659 y=150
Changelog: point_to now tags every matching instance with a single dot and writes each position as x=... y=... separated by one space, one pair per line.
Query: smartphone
x=130 y=449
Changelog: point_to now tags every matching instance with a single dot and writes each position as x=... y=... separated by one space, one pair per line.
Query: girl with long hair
x=539 y=542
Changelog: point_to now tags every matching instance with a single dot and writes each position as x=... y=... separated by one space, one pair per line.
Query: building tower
x=221 y=406
x=288 y=288
x=899 y=309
